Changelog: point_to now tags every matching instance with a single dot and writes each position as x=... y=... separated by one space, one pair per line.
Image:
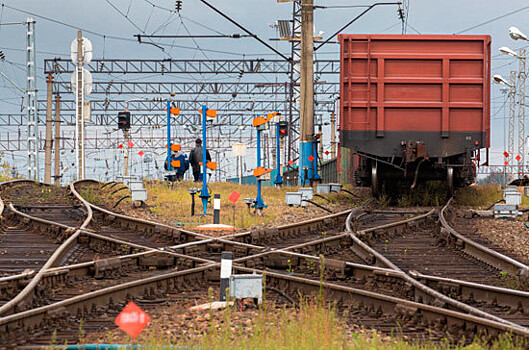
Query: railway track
x=160 y=263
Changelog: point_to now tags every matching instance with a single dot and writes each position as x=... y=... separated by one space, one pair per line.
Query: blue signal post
x=169 y=166
x=279 y=179
x=259 y=202
x=204 y=194
x=315 y=175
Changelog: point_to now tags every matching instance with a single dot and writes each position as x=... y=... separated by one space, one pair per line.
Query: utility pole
x=49 y=131
x=521 y=111
x=31 y=101
x=57 y=165
x=512 y=116
x=333 y=135
x=306 y=119
x=79 y=119
x=126 y=154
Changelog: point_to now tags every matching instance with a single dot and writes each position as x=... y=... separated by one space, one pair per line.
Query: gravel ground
x=512 y=235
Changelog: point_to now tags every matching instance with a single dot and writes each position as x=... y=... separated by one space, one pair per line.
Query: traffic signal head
x=124 y=120
x=283 y=128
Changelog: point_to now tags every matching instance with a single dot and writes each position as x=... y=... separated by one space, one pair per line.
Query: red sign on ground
x=290 y=162
x=311 y=158
x=141 y=153
x=132 y=320
x=234 y=196
x=506 y=154
x=130 y=144
x=518 y=158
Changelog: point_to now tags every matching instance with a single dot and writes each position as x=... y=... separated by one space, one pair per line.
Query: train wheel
x=375 y=184
x=450 y=181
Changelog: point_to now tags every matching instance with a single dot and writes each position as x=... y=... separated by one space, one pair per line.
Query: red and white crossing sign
x=141 y=153
x=518 y=158
x=132 y=320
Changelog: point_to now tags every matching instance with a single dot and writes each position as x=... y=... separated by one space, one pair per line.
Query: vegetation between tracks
x=172 y=203
x=313 y=325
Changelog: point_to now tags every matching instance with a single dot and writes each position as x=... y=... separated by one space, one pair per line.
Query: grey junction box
x=323 y=188
x=294 y=198
x=246 y=286
x=335 y=187
x=307 y=193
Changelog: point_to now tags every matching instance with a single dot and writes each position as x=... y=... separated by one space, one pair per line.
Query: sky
x=112 y=24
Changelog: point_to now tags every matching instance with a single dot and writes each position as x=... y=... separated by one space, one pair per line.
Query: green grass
x=172 y=203
x=483 y=195
x=314 y=325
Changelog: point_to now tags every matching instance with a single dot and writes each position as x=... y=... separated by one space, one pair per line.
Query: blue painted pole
x=304 y=163
x=169 y=167
x=259 y=203
x=315 y=175
x=279 y=179
x=204 y=194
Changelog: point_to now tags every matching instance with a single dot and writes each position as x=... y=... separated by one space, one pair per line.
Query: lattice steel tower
x=31 y=101
x=512 y=117
x=521 y=110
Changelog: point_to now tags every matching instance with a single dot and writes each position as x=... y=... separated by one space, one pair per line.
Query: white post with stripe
x=216 y=209
x=226 y=262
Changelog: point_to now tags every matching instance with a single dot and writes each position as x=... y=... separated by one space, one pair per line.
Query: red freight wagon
x=414 y=107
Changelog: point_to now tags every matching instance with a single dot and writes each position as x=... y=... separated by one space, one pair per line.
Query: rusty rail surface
x=28 y=289
x=479 y=251
x=198 y=271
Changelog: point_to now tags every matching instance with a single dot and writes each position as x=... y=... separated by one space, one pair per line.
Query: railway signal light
x=283 y=128
x=124 y=120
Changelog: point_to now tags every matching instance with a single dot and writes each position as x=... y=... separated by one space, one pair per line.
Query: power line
x=494 y=19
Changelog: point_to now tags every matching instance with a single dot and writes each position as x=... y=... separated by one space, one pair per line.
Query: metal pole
x=333 y=135
x=204 y=194
x=79 y=118
x=31 y=102
x=49 y=130
x=239 y=160
x=259 y=203
x=57 y=165
x=512 y=116
x=307 y=90
x=126 y=154
x=169 y=167
x=279 y=180
x=521 y=111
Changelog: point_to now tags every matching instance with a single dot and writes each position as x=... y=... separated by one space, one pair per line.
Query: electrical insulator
x=178 y=5
x=283 y=128
x=124 y=120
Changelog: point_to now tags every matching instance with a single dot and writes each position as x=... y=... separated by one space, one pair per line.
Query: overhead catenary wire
x=521 y=9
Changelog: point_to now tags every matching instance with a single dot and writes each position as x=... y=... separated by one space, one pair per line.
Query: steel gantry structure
x=237 y=101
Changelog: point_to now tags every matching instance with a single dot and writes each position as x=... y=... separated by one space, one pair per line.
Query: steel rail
x=481 y=252
x=425 y=289
x=28 y=289
x=516 y=299
x=389 y=304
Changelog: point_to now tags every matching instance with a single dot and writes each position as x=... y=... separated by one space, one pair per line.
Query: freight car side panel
x=431 y=88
